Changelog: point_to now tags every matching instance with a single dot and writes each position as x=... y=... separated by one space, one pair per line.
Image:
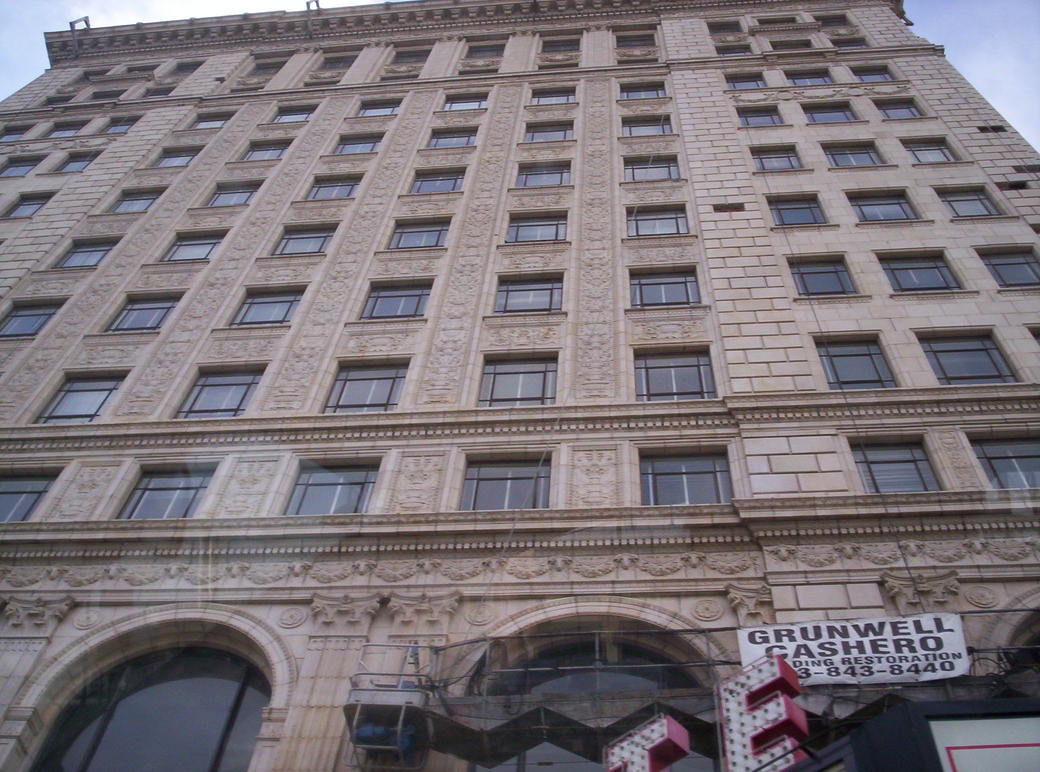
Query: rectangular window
x=19 y=167
x=27 y=206
x=523 y=296
x=650 y=168
x=411 y=55
x=790 y=45
x=337 y=62
x=834 y=20
x=973 y=359
x=809 y=78
x=513 y=383
x=361 y=389
x=929 y=151
x=773 y=159
x=642 y=90
x=548 y=132
x=267 y=308
x=544 y=175
x=886 y=206
x=722 y=27
x=233 y=195
x=192 y=248
x=20 y=495
x=439 y=181
x=773 y=20
x=636 y=40
x=559 y=96
x=176 y=157
x=379 y=108
x=11 y=133
x=855 y=365
x=485 y=50
x=836 y=113
x=466 y=102
x=211 y=121
x=681 y=480
x=894 y=468
x=159 y=91
x=268 y=68
x=646 y=127
x=656 y=222
x=135 y=201
x=417 y=235
x=900 y=108
x=759 y=116
x=667 y=377
x=738 y=50
x=79 y=400
x=267 y=151
x=84 y=255
x=293 y=114
x=169 y=495
x=1009 y=463
x=185 y=68
x=143 y=314
x=77 y=162
x=796 y=211
x=332 y=490
x=968 y=203
x=747 y=80
x=66 y=129
x=824 y=277
x=362 y=143
x=539 y=228
x=848 y=42
x=220 y=395
x=396 y=302
x=325 y=188
x=506 y=485
x=109 y=94
x=453 y=138
x=852 y=155
x=649 y=290
x=561 y=44
x=26 y=320
x=872 y=74
x=919 y=274
x=1014 y=269
x=304 y=242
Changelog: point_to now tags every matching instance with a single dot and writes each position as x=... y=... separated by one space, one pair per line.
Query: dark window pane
x=367 y=143
x=855 y=365
x=542 y=175
x=438 y=182
x=919 y=274
x=550 y=228
x=166 y=495
x=894 y=468
x=143 y=314
x=528 y=296
x=303 y=242
x=79 y=400
x=221 y=395
x=801 y=211
x=824 y=278
x=366 y=389
x=967 y=360
x=26 y=320
x=391 y=302
x=1016 y=269
x=322 y=490
x=549 y=132
x=327 y=189
x=666 y=377
x=1010 y=463
x=759 y=116
x=657 y=222
x=651 y=168
x=663 y=289
x=646 y=127
x=828 y=113
x=510 y=485
x=273 y=308
x=20 y=495
x=969 y=203
x=672 y=481
x=419 y=235
x=852 y=155
x=453 y=138
x=886 y=207
x=193 y=248
x=233 y=196
x=516 y=383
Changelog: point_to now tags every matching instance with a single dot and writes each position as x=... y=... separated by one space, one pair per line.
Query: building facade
x=546 y=344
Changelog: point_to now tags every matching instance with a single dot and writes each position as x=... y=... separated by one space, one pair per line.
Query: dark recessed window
x=832 y=20
x=233 y=195
x=439 y=181
x=267 y=151
x=855 y=365
x=796 y=211
x=185 y=68
x=176 y=157
x=485 y=50
x=192 y=248
x=453 y=138
x=416 y=235
x=848 y=42
x=919 y=274
x=656 y=222
x=220 y=395
x=396 y=302
x=20 y=495
x=516 y=383
x=466 y=102
x=901 y=108
x=838 y=113
x=364 y=143
x=528 y=295
x=159 y=91
x=680 y=480
x=27 y=206
x=135 y=201
x=411 y=55
x=168 y=495
x=79 y=400
x=809 y=78
x=304 y=242
x=12 y=133
x=872 y=74
x=77 y=162
x=773 y=159
x=85 y=254
x=333 y=187
x=824 y=277
x=66 y=129
x=362 y=389
x=636 y=40
x=379 y=108
x=649 y=168
x=268 y=68
x=663 y=289
x=885 y=206
x=293 y=114
x=759 y=116
x=723 y=27
x=642 y=90
x=120 y=125
x=968 y=203
x=737 y=50
x=332 y=490
x=544 y=175
x=774 y=20
x=19 y=167
x=1008 y=463
x=646 y=127
x=1014 y=269
x=548 y=132
x=929 y=151
x=267 y=308
x=966 y=360
x=506 y=485
x=142 y=67
x=337 y=62
x=790 y=45
x=538 y=228
x=894 y=468
x=143 y=314
x=108 y=94
x=26 y=320
x=865 y=154
x=559 y=96
x=668 y=377
x=211 y=121
x=748 y=80
x=561 y=44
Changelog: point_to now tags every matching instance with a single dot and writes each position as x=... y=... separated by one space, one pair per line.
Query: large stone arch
x=1014 y=628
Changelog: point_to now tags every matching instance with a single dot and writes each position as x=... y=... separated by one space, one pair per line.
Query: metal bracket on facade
x=73 y=28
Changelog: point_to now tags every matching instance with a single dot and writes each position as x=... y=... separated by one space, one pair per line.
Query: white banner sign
x=864 y=651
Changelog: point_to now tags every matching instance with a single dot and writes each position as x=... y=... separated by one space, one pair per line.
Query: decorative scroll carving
x=753 y=603
x=914 y=593
x=417 y=482
x=595 y=481
x=348 y=609
x=85 y=495
x=817 y=92
x=36 y=611
x=432 y=609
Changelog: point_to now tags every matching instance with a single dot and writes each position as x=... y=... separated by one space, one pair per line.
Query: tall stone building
x=515 y=351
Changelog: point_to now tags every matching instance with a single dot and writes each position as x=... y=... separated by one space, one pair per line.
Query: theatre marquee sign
x=925 y=647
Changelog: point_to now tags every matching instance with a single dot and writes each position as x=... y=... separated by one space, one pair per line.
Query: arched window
x=178 y=710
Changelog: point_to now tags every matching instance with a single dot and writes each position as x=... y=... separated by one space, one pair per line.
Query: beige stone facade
x=507 y=89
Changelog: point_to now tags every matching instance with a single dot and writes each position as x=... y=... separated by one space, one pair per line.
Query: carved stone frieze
x=248 y=485
x=595 y=478
x=45 y=285
x=917 y=592
x=417 y=483
x=671 y=325
x=420 y=607
x=545 y=151
x=345 y=609
x=445 y=156
x=318 y=211
x=539 y=199
x=166 y=275
x=808 y=93
x=752 y=603
x=87 y=492
x=105 y=225
x=238 y=345
x=344 y=163
x=642 y=53
x=645 y=106
x=429 y=204
x=518 y=335
x=284 y=270
x=35 y=611
x=387 y=265
x=112 y=350
x=912 y=551
x=364 y=338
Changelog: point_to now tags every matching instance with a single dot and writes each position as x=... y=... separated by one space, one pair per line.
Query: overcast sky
x=995 y=43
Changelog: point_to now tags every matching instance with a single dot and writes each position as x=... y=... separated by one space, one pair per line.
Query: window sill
x=857 y=168
x=891 y=223
x=637 y=137
x=646 y=310
x=665 y=237
x=534 y=188
x=800 y=169
x=547 y=142
x=933 y=294
x=856 y=122
x=770 y=126
x=943 y=164
x=293 y=255
x=639 y=183
x=431 y=194
x=915 y=118
x=259 y=163
x=388 y=320
x=831 y=299
x=1025 y=289
x=504 y=317
x=538 y=241
x=985 y=217
x=462 y=110
x=817 y=226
